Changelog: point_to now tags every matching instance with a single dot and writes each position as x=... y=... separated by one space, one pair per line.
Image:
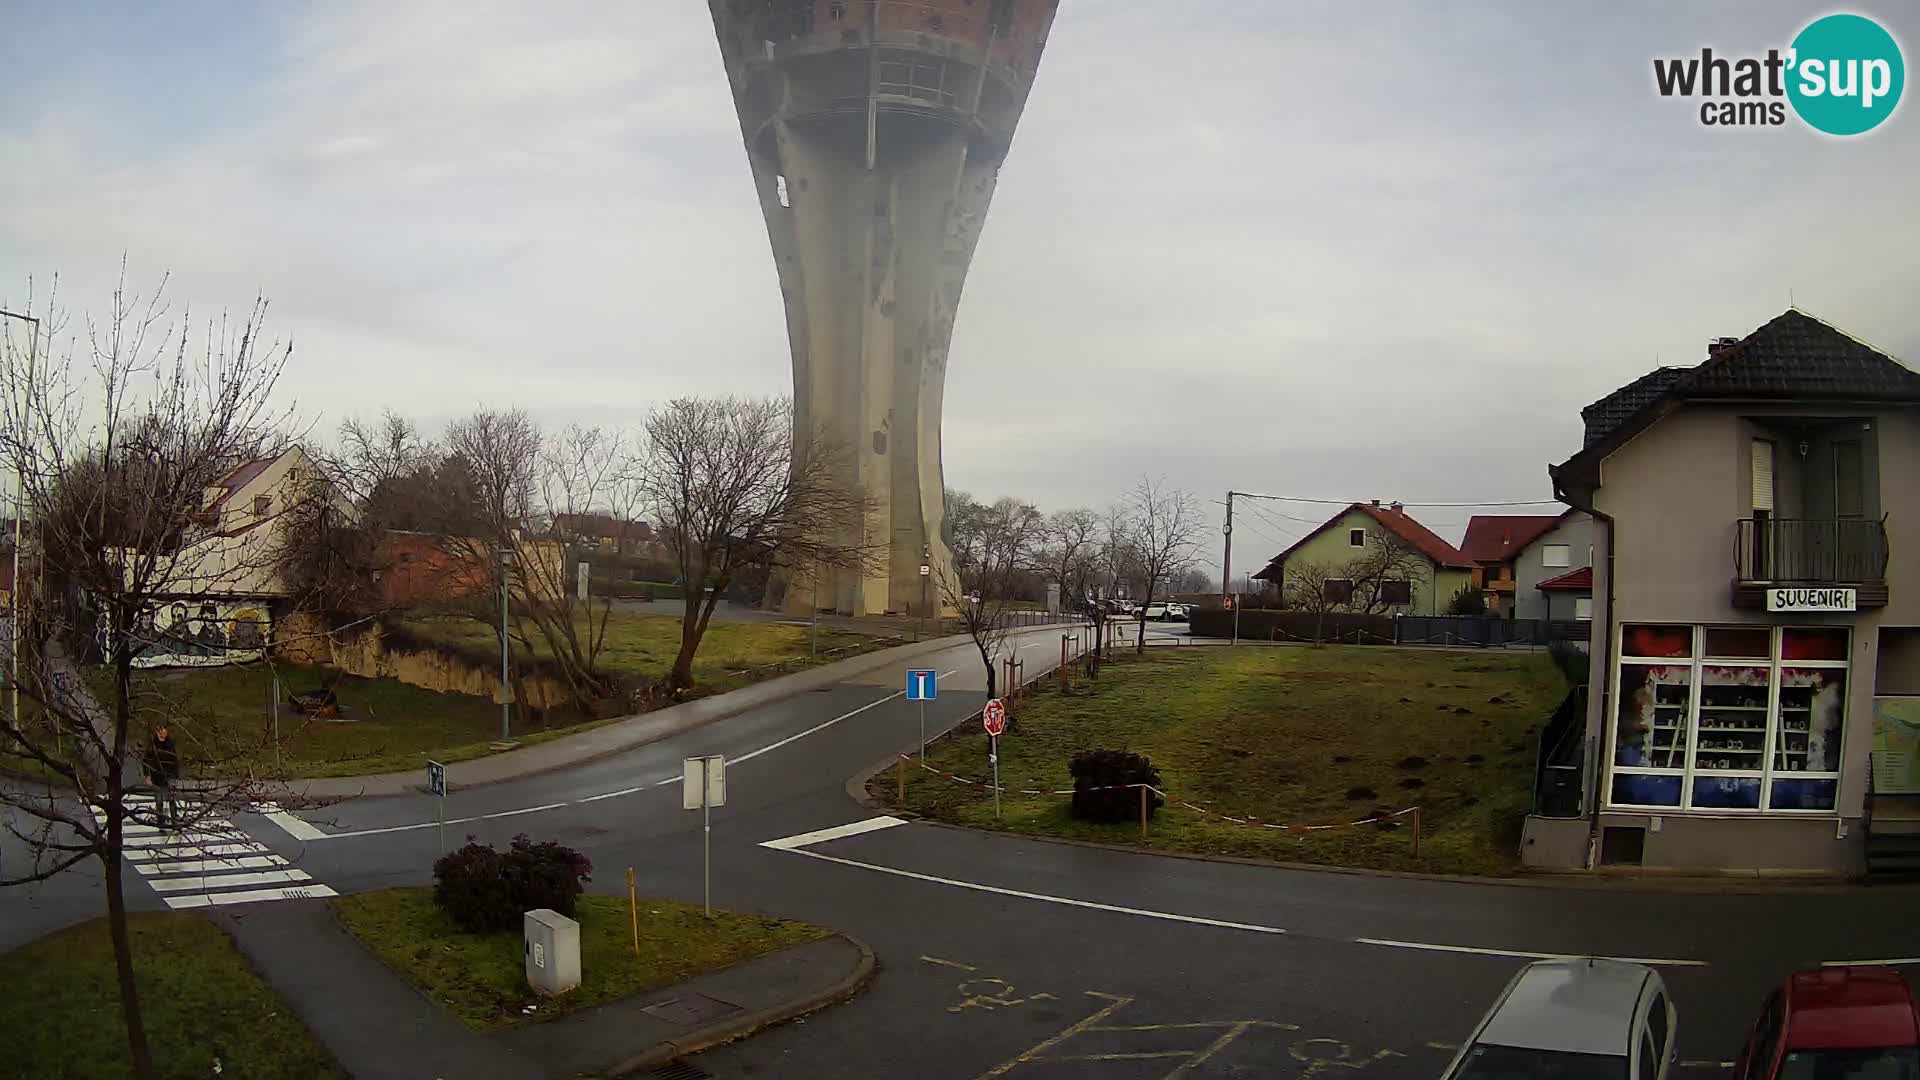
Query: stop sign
x=994 y=717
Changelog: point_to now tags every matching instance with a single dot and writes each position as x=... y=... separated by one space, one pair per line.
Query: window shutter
x=1763 y=475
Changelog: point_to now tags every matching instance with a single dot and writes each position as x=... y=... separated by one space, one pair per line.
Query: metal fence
x=1809 y=549
x=1557 y=765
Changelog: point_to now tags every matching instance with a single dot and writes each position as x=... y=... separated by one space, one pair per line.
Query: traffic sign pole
x=993 y=755
x=923 y=730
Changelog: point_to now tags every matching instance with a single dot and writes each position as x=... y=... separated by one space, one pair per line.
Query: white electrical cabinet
x=553 y=952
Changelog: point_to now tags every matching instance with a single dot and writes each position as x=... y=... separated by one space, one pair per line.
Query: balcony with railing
x=1809 y=552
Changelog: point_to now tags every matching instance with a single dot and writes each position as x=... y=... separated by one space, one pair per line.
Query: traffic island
x=206 y=1012
x=481 y=978
x=1305 y=755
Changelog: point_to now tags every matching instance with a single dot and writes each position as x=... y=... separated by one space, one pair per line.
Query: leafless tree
x=1387 y=574
x=730 y=486
x=1317 y=588
x=1072 y=539
x=118 y=432
x=1167 y=529
x=999 y=544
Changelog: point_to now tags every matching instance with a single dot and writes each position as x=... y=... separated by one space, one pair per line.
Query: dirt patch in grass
x=481 y=978
x=1299 y=710
x=207 y=1013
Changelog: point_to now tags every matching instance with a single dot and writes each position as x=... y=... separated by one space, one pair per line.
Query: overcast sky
x=1338 y=250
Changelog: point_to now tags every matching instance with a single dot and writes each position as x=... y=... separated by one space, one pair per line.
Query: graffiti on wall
x=200 y=634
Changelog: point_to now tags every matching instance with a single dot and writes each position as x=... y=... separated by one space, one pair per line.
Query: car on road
x=1156 y=611
x=1177 y=612
x=1586 y=1019
x=1835 y=1024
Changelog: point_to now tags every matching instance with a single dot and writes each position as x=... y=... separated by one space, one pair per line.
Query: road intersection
x=1003 y=955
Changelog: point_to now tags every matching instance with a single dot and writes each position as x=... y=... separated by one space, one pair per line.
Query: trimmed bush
x=1099 y=785
x=483 y=890
x=1572 y=661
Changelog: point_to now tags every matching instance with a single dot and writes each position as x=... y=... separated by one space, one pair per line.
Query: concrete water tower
x=876 y=129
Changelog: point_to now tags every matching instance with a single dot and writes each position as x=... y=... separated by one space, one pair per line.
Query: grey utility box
x=553 y=952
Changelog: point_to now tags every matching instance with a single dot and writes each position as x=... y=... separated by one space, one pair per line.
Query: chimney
x=1376 y=504
x=1719 y=345
x=1395 y=506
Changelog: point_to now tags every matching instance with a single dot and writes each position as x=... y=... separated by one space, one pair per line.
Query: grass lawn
x=394 y=726
x=391 y=726
x=1286 y=735
x=201 y=1001
x=643 y=646
x=481 y=978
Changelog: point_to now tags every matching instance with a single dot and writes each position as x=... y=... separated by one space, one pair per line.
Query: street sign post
x=703 y=786
x=922 y=686
x=994 y=718
x=437 y=787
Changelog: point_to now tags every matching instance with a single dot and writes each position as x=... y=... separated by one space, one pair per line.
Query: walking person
x=163 y=767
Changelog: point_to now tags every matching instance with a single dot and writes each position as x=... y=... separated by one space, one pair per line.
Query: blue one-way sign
x=920 y=686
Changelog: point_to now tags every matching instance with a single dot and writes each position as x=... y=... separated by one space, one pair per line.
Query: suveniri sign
x=1810 y=600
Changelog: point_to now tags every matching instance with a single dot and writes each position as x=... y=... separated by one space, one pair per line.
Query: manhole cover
x=681 y=1070
x=690 y=1009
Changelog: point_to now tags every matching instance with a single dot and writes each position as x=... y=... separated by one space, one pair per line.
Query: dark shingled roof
x=1794 y=357
x=1613 y=410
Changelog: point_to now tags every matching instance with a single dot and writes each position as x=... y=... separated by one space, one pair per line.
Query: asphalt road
x=1004 y=956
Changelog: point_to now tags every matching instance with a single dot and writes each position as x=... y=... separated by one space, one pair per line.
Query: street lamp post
x=506 y=694
x=19 y=516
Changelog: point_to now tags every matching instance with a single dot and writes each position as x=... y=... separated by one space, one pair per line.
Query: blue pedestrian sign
x=920 y=686
x=437 y=779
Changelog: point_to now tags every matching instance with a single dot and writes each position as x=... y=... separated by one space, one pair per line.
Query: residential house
x=426 y=571
x=1492 y=543
x=1347 y=538
x=223 y=582
x=605 y=533
x=1552 y=574
x=1750 y=617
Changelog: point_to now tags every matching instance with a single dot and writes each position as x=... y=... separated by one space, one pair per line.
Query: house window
x=1396 y=592
x=1555 y=555
x=1356 y=538
x=1583 y=608
x=1338 y=591
x=1742 y=718
x=262 y=504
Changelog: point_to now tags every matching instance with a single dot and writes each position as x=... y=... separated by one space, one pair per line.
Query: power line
x=1423 y=505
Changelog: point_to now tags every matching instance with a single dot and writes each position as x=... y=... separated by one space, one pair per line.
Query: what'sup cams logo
x=1842 y=76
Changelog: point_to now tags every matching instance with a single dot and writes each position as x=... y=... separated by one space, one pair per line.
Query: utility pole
x=926 y=572
x=19 y=518
x=1226 y=557
x=506 y=694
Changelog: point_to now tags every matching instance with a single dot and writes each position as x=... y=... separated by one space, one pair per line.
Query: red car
x=1837 y=1023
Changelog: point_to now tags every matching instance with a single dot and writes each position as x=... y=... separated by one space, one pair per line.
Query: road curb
x=739 y=1027
x=1731 y=883
x=659 y=724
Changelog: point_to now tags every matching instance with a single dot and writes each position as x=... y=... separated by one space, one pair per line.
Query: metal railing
x=1810 y=549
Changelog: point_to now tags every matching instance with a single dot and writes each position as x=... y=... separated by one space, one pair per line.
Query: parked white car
x=1574 y=1020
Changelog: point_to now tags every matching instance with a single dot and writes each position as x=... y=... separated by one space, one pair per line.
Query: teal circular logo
x=1845 y=74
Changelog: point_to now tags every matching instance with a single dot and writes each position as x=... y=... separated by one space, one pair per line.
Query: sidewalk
x=621 y=735
x=378 y=1026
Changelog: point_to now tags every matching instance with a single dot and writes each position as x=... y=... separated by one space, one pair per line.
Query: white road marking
x=172 y=839
x=821 y=836
x=296 y=892
x=1872 y=963
x=188 y=866
x=613 y=794
x=226 y=881
x=1426 y=946
x=662 y=782
x=449 y=821
x=202 y=851
x=297 y=827
x=1196 y=920
x=1706 y=1064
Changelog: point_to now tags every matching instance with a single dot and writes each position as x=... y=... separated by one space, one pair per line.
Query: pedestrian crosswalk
x=212 y=863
